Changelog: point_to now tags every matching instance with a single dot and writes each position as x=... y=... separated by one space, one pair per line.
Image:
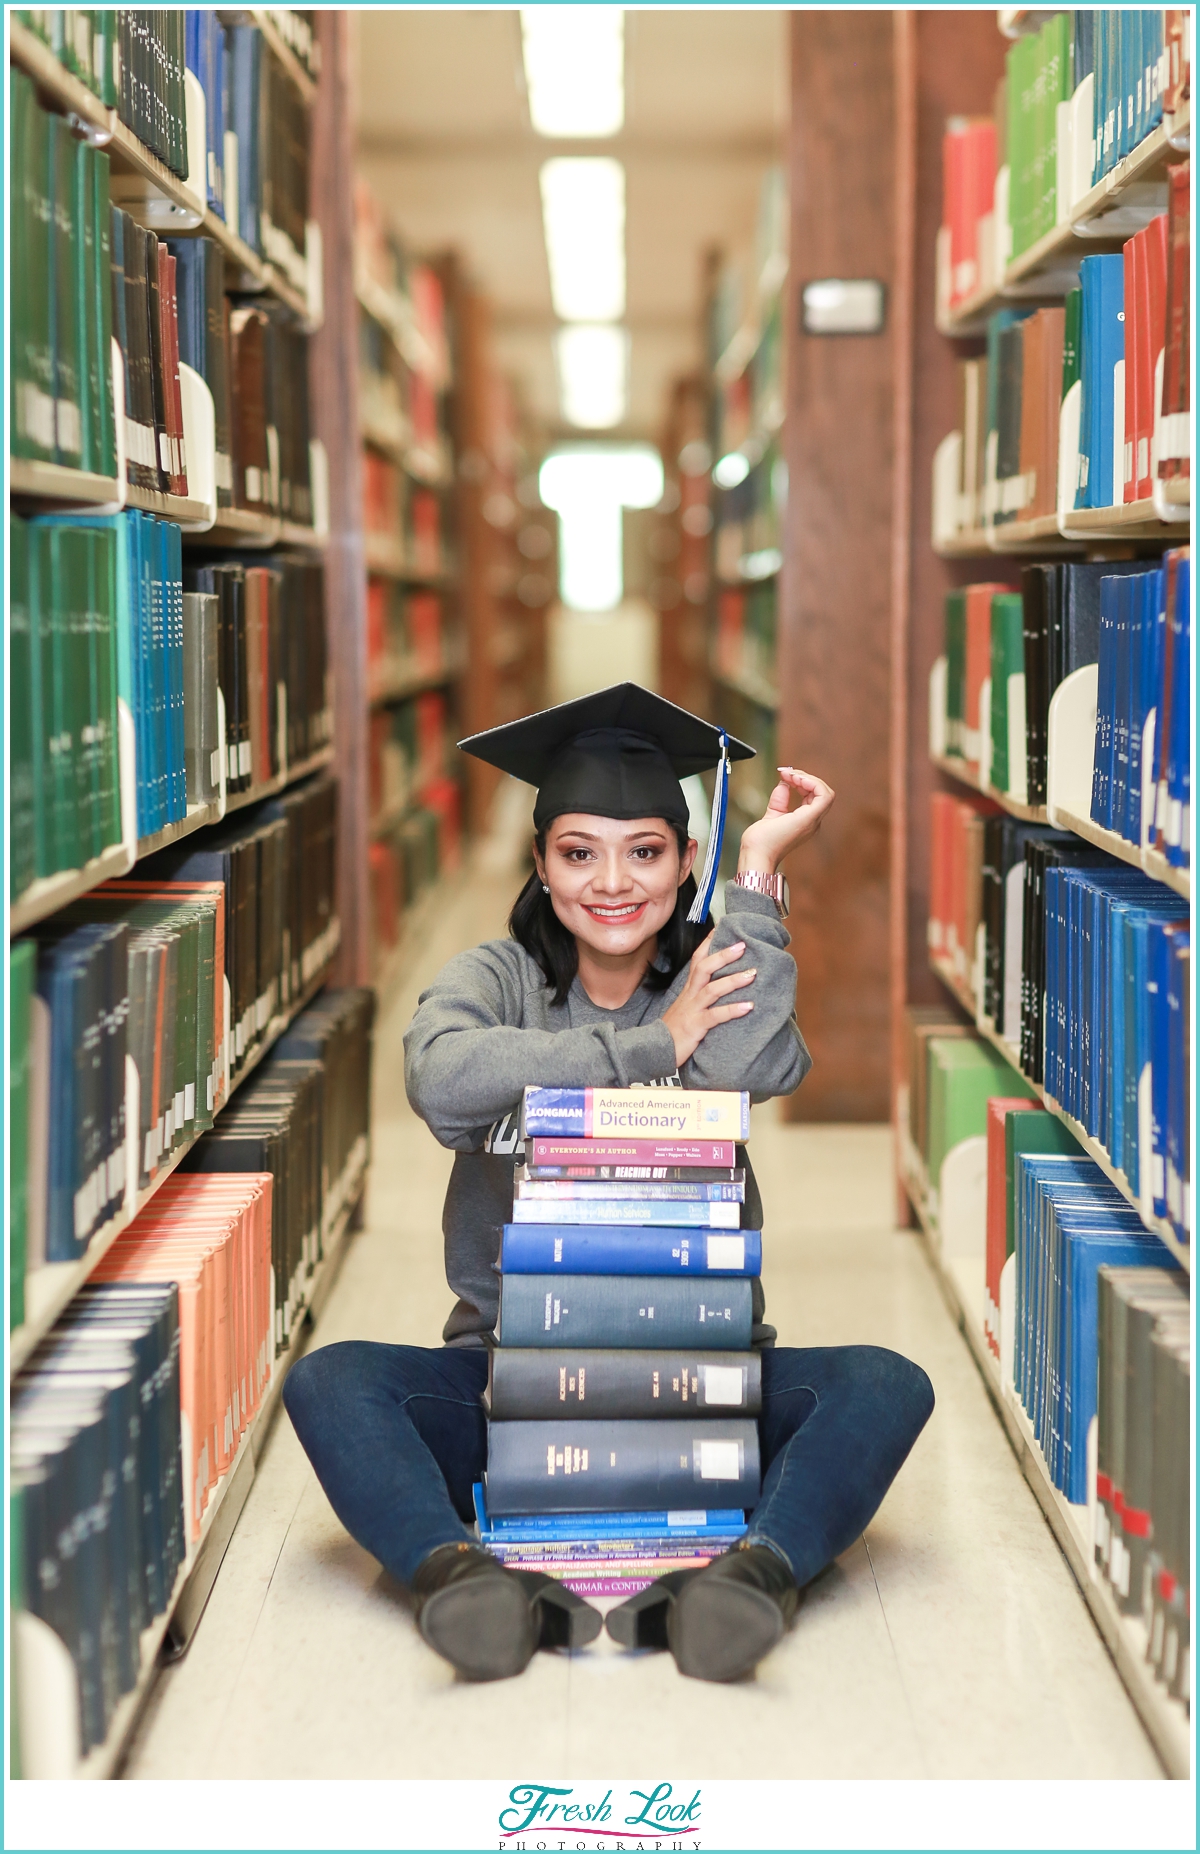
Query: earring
x=545 y=888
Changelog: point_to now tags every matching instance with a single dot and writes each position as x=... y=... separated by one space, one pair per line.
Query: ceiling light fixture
x=588 y=486
x=574 y=69
x=583 y=216
x=593 y=370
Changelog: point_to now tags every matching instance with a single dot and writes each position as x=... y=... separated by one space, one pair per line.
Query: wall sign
x=842 y=306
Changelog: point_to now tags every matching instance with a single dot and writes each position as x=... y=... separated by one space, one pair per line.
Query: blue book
x=580 y=1249
x=1106 y=684
x=172 y=557
x=684 y=1523
x=1102 y=343
x=1090 y=1244
x=1160 y=954
x=1177 y=1006
x=244 y=47
x=205 y=46
x=1118 y=789
x=1178 y=823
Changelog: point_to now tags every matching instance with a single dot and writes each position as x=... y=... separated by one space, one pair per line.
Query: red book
x=1153 y=306
x=378 y=597
x=721 y=1153
x=1174 y=448
x=998 y=1110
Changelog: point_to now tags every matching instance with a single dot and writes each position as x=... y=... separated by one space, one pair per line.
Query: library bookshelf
x=948 y=66
x=155 y=198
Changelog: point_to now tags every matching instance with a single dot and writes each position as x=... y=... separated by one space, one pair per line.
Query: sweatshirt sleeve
x=466 y=1063
x=763 y=1051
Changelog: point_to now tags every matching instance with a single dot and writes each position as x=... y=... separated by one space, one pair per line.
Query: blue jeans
x=397 y=1435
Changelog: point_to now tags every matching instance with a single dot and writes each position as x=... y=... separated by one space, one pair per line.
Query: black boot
x=488 y=1621
x=718 y=1622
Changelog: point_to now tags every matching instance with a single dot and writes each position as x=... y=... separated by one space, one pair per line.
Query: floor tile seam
x=914 y=1718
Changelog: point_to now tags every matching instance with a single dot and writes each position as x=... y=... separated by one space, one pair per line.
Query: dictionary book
x=641 y=1113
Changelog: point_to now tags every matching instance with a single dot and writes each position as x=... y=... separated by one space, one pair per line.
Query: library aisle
x=949 y=1642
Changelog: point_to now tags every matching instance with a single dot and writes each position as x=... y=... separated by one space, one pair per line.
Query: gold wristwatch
x=773 y=885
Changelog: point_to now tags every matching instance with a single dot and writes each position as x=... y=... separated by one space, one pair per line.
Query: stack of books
x=1140 y=777
x=623 y=1390
x=1143 y=1460
x=1014 y=1125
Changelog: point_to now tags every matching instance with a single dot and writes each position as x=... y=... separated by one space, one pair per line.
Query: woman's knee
x=321 y=1378
x=904 y=1388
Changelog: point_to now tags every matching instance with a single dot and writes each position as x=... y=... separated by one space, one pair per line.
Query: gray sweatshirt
x=486 y=1029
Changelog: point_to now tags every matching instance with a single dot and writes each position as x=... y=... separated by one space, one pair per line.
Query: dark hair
x=534 y=925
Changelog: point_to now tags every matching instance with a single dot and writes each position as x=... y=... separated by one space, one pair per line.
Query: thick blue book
x=571 y=1465
x=652 y=1522
x=1102 y=278
x=624 y=1310
x=583 y=1249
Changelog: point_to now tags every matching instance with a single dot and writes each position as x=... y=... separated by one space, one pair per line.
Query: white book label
x=719 y=1461
x=723 y=1384
x=727 y=1251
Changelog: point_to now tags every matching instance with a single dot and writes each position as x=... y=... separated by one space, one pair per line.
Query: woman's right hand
x=702 y=1002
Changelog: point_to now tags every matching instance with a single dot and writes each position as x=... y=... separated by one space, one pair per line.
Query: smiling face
x=613 y=881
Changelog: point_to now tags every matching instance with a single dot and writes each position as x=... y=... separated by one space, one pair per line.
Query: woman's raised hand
x=703 y=1000
x=766 y=843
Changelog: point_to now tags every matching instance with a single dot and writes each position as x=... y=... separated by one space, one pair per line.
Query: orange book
x=1152 y=320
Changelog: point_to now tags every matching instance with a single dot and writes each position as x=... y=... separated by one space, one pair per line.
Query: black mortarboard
x=619 y=753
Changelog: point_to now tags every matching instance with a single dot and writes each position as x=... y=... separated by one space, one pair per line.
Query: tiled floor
x=949 y=1642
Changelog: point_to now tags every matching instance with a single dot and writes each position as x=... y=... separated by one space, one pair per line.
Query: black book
x=624 y=1310
x=336 y=1031
x=1008 y=433
x=573 y=1466
x=204 y=338
x=531 y=1383
x=201 y=739
x=1047 y=849
x=1037 y=593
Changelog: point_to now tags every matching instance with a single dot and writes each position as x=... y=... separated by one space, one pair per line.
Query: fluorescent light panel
x=574 y=69
x=588 y=486
x=593 y=368
x=583 y=217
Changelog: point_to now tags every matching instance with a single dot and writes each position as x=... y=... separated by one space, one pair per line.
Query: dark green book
x=100 y=742
x=32 y=349
x=1072 y=319
x=65 y=321
x=101 y=312
x=21 y=717
x=21 y=963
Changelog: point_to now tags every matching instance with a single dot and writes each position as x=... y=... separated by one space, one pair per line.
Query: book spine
x=627 y=1213
x=528 y=1383
x=640 y=1112
x=615 y=1249
x=703 y=1154
x=697 y=1190
x=567 y=1466
x=615 y=1310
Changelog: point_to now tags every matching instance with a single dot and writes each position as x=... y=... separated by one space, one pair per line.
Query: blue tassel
x=698 y=912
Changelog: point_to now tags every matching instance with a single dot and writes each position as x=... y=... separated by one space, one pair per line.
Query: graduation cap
x=619 y=753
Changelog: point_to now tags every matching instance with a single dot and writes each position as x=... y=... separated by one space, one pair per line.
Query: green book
x=21 y=967
x=1072 y=322
x=106 y=449
x=66 y=331
x=22 y=721
x=41 y=650
x=32 y=348
x=104 y=47
x=102 y=721
x=956 y=668
x=1008 y=659
x=76 y=51
x=62 y=613
x=84 y=252
x=1030 y=1132
x=963 y=1074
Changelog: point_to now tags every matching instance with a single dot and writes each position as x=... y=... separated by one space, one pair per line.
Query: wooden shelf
x=237 y=801
x=756 y=689
x=1047 y=269
x=198 y=818
x=397 y=681
x=172 y=508
x=224 y=1508
x=1158 y=1226
x=48 y=894
x=1069 y=535
x=1151 y=862
x=962 y=1284
x=388 y=557
x=955 y=768
x=59 y=485
x=141 y=183
x=55 y=1285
